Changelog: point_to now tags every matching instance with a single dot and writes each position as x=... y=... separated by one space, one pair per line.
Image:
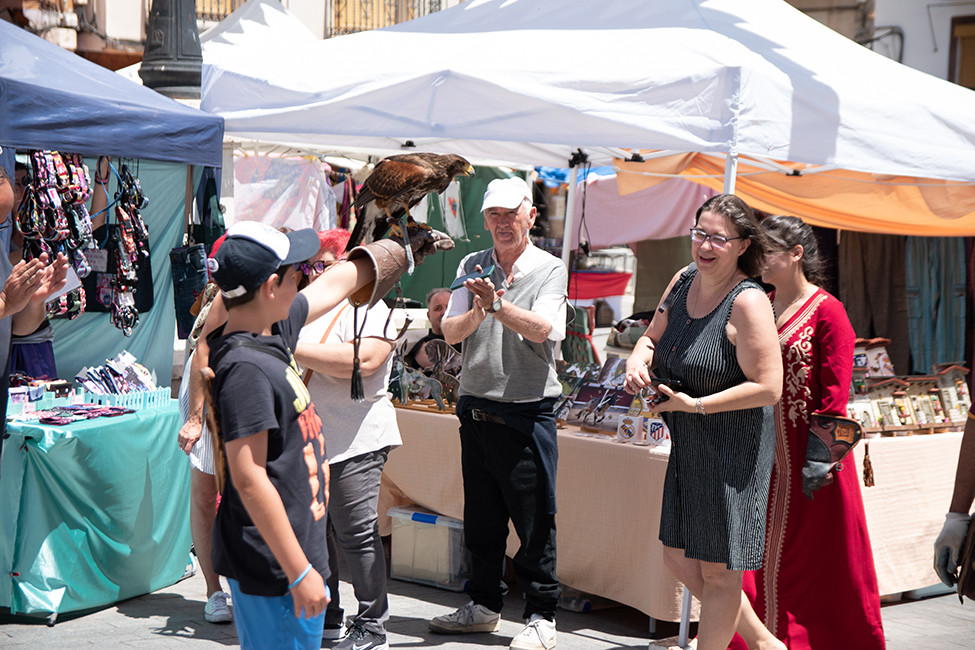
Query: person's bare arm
x=335 y=359
x=192 y=429
x=99 y=194
x=335 y=285
x=457 y=328
x=247 y=459
x=640 y=361
x=525 y=322
x=964 y=492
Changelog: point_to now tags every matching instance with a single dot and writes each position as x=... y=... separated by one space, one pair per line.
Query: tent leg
x=730 y=171
x=570 y=208
x=685 y=619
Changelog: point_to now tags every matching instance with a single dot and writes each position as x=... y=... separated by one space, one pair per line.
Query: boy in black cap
x=269 y=535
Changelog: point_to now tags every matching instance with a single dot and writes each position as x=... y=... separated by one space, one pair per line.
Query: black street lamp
x=173 y=58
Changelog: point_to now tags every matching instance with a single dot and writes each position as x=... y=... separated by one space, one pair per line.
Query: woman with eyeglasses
x=714 y=332
x=358 y=436
x=817 y=587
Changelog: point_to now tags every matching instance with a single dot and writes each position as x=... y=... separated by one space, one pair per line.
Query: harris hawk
x=397 y=184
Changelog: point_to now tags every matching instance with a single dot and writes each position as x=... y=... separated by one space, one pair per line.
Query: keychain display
x=53 y=219
x=128 y=244
x=120 y=281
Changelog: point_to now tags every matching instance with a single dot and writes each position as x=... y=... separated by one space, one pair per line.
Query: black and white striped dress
x=717 y=485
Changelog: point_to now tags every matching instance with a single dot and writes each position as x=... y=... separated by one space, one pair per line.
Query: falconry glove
x=389 y=260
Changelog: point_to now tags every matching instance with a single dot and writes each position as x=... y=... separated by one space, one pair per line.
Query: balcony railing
x=215 y=10
x=348 y=16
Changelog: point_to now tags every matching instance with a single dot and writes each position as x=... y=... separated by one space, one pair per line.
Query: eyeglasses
x=717 y=241
x=314 y=267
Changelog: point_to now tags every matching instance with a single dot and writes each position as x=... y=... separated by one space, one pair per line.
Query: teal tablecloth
x=92 y=512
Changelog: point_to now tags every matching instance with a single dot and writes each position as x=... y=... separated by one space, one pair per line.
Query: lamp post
x=173 y=59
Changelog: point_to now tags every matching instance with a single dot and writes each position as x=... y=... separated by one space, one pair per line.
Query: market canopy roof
x=506 y=80
x=53 y=99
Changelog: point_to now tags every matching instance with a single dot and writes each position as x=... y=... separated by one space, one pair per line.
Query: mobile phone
x=459 y=282
x=673 y=384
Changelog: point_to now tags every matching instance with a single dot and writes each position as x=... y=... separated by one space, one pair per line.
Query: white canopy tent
x=552 y=82
x=536 y=81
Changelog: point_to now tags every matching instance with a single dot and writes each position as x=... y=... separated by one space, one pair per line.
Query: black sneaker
x=359 y=638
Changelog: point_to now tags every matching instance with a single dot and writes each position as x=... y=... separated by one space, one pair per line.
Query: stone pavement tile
x=173 y=618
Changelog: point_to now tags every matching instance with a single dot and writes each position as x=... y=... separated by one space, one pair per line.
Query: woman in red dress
x=817 y=587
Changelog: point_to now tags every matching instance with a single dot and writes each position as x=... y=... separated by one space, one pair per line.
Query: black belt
x=483 y=416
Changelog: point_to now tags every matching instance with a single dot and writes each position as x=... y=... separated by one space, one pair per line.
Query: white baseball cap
x=507 y=193
x=252 y=251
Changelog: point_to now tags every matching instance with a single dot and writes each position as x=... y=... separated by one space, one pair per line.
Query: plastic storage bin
x=428 y=549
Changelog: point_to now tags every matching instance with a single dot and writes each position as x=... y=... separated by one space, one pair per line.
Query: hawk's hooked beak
x=469 y=171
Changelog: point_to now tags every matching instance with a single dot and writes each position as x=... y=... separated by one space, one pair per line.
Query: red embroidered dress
x=817 y=587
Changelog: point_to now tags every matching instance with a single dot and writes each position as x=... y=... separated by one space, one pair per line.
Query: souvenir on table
x=598 y=404
x=641 y=425
x=919 y=392
x=119 y=375
x=613 y=372
x=597 y=408
x=954 y=392
x=886 y=411
x=861 y=409
x=872 y=355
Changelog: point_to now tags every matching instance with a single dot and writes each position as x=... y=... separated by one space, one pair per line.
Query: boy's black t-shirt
x=255 y=391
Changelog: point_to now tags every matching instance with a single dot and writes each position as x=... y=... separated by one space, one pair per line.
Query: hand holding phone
x=474 y=275
x=659 y=396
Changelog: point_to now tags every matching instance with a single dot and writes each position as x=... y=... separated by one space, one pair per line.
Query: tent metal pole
x=730 y=171
x=685 y=619
x=569 y=223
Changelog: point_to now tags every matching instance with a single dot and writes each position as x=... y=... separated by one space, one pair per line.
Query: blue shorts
x=269 y=622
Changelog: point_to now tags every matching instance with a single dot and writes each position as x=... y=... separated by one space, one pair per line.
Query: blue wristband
x=300 y=578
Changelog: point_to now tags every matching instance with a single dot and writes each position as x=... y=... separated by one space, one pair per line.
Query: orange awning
x=837 y=198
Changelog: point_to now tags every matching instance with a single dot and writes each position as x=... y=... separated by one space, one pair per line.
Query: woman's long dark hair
x=785 y=233
x=743 y=218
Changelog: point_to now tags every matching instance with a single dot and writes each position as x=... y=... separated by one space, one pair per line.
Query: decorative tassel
x=358 y=393
x=867 y=466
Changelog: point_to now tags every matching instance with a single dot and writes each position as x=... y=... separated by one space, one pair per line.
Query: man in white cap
x=511 y=322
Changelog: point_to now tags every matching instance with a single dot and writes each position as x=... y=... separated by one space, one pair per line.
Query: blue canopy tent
x=53 y=99
x=129 y=534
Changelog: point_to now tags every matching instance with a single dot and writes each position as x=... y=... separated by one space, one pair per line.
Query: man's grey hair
x=432 y=292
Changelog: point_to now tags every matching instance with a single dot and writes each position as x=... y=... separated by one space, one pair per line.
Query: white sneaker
x=217 y=610
x=469 y=618
x=539 y=634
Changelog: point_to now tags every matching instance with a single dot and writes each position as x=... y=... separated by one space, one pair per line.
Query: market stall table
x=93 y=512
x=607 y=528
x=609 y=507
